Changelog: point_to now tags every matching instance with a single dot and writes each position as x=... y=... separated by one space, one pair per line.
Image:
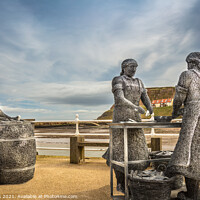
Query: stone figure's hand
x=140 y=110
x=152 y=117
x=147 y=113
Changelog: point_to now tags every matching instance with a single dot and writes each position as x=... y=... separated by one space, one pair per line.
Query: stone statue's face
x=192 y=65
x=130 y=70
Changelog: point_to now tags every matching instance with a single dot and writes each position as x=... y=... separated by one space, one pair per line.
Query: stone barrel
x=17 y=152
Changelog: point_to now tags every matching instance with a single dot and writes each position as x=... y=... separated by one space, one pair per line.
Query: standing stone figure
x=128 y=91
x=186 y=157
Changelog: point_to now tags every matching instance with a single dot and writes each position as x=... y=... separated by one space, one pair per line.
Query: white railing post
x=152 y=129
x=77 y=122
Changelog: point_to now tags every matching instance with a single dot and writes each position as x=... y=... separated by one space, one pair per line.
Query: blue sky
x=58 y=57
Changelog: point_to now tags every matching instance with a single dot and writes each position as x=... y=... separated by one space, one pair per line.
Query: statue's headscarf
x=193 y=57
x=127 y=62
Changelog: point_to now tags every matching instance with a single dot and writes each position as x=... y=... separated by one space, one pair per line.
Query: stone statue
x=186 y=157
x=128 y=91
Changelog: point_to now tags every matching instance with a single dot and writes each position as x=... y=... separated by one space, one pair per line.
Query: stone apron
x=186 y=157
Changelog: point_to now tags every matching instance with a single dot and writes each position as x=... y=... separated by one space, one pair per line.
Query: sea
x=44 y=146
x=61 y=146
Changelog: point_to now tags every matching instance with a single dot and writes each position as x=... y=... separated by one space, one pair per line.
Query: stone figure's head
x=129 y=67
x=193 y=60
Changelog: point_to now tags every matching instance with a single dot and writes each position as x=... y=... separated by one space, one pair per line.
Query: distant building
x=154 y=103
x=161 y=93
x=161 y=96
x=158 y=102
x=169 y=102
x=162 y=102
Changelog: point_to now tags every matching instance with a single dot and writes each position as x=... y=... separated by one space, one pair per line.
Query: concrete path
x=55 y=178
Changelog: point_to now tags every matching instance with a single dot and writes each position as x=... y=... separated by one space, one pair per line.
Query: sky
x=58 y=57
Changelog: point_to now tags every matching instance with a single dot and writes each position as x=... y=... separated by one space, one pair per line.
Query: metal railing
x=77 y=122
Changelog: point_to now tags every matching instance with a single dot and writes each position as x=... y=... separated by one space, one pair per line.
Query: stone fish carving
x=186 y=157
x=149 y=175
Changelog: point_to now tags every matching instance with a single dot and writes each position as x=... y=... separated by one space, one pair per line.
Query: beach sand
x=56 y=176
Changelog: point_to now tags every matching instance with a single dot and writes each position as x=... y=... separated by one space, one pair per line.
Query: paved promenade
x=55 y=178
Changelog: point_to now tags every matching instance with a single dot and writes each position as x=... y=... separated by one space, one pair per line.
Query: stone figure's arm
x=181 y=92
x=145 y=99
x=3 y=116
x=117 y=90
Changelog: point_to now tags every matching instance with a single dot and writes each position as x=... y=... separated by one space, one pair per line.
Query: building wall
x=160 y=93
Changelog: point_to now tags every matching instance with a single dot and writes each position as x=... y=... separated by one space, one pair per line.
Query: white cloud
x=81 y=111
x=24 y=110
x=73 y=93
x=91 y=53
x=150 y=60
x=59 y=67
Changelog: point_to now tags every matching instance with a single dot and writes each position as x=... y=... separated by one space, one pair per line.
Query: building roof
x=154 y=101
x=158 y=101
x=162 y=101
x=169 y=100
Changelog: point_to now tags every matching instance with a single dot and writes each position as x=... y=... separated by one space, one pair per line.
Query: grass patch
x=160 y=111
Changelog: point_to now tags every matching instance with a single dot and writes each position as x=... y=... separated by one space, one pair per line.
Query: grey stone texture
x=150 y=185
x=186 y=157
x=177 y=182
x=128 y=91
x=17 y=152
